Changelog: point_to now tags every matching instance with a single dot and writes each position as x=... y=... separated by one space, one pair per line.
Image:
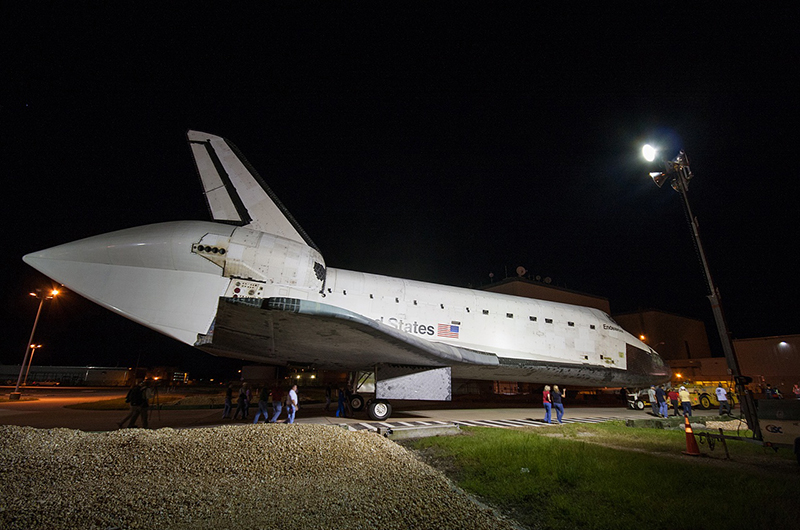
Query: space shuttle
x=253 y=285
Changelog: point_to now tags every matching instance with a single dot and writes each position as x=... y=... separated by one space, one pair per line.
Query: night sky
x=438 y=145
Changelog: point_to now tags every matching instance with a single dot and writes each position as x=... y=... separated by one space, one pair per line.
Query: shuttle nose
x=159 y=246
x=148 y=274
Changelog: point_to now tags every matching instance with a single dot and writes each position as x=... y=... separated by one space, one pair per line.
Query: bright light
x=678 y=376
x=54 y=292
x=641 y=337
x=649 y=152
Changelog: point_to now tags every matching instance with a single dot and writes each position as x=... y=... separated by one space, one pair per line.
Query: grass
x=565 y=483
x=615 y=433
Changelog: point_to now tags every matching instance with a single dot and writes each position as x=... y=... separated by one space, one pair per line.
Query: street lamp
x=41 y=296
x=34 y=347
x=678 y=173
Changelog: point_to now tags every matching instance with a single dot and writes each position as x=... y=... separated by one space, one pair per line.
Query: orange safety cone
x=691 y=443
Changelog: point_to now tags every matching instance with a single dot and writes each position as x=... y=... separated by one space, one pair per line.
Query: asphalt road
x=48 y=411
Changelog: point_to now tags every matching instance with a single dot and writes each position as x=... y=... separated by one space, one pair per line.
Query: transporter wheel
x=357 y=402
x=640 y=405
x=705 y=402
x=379 y=410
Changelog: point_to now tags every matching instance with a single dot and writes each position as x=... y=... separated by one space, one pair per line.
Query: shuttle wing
x=286 y=330
x=236 y=194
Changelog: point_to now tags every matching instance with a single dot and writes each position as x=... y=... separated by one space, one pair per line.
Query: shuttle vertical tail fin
x=236 y=194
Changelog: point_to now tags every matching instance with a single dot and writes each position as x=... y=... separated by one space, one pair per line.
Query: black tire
x=356 y=402
x=379 y=410
x=705 y=402
x=640 y=405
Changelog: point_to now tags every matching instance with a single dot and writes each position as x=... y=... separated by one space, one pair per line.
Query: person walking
x=240 y=404
x=277 y=400
x=661 y=398
x=651 y=396
x=796 y=390
x=623 y=395
x=139 y=405
x=686 y=401
x=248 y=397
x=547 y=403
x=291 y=404
x=556 y=396
x=328 y=393
x=263 y=406
x=133 y=398
x=673 y=399
x=226 y=410
x=348 y=402
x=722 y=397
x=340 y=410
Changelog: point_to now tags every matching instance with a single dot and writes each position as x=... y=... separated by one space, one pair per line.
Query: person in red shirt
x=548 y=404
x=673 y=399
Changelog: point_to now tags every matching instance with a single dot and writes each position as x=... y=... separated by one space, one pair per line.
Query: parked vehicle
x=703 y=395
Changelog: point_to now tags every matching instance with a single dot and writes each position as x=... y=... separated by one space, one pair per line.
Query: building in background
x=545 y=291
x=69 y=375
x=674 y=337
x=770 y=360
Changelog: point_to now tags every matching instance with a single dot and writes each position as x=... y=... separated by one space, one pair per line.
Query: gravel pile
x=245 y=476
x=730 y=425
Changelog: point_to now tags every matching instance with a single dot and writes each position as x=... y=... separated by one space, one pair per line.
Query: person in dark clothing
x=226 y=411
x=134 y=394
x=241 y=404
x=661 y=399
x=556 y=396
x=328 y=393
x=263 y=405
x=248 y=397
x=137 y=397
x=340 y=410
x=348 y=406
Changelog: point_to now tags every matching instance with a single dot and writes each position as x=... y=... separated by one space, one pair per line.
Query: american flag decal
x=447 y=330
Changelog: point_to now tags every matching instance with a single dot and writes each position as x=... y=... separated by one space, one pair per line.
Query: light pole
x=34 y=347
x=16 y=394
x=679 y=173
